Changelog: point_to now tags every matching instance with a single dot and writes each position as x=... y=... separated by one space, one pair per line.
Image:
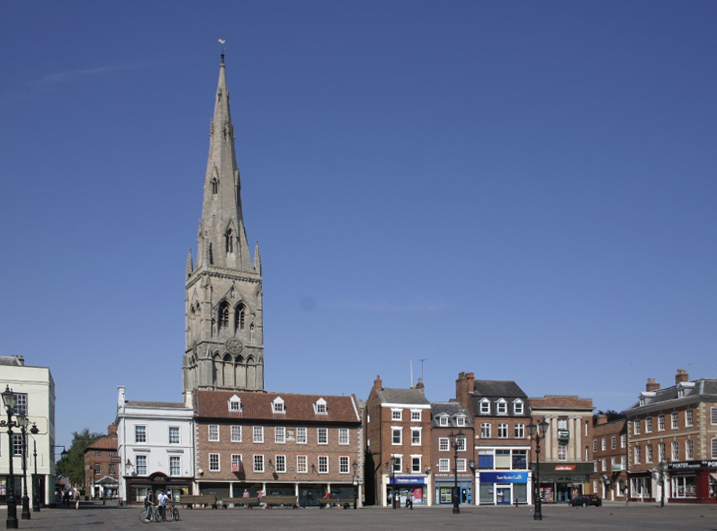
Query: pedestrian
x=76 y=497
x=66 y=498
x=148 y=504
x=260 y=495
x=163 y=500
x=246 y=493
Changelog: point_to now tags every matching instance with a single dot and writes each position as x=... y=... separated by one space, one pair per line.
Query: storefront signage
x=561 y=468
x=503 y=477
x=407 y=480
x=691 y=465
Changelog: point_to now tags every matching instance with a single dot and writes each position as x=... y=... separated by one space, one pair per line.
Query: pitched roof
x=498 y=389
x=103 y=443
x=258 y=406
x=452 y=409
x=702 y=388
x=171 y=405
x=402 y=396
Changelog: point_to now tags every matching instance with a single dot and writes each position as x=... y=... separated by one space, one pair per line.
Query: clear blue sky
x=525 y=190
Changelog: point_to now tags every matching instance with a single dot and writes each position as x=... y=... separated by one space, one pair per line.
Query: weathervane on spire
x=223 y=43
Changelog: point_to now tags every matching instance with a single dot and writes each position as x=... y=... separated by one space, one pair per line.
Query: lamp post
x=663 y=467
x=454 y=438
x=9 y=401
x=23 y=421
x=537 y=432
x=391 y=469
x=35 y=489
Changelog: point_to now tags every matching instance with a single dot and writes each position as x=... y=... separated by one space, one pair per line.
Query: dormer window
x=443 y=420
x=320 y=407
x=235 y=403
x=277 y=405
x=518 y=407
x=460 y=420
x=502 y=407
x=681 y=392
x=485 y=407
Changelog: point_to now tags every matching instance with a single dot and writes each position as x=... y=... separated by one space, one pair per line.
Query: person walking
x=148 y=504
x=163 y=500
x=76 y=497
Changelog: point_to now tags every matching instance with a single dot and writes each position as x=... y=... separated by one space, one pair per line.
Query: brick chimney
x=602 y=419
x=378 y=383
x=652 y=385
x=681 y=376
x=420 y=386
x=464 y=387
x=112 y=430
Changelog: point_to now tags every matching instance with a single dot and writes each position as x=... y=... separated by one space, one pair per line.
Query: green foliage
x=611 y=415
x=73 y=466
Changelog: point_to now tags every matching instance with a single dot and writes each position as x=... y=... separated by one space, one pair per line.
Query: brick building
x=398 y=445
x=102 y=466
x=565 y=457
x=281 y=444
x=501 y=413
x=609 y=453
x=672 y=441
x=450 y=418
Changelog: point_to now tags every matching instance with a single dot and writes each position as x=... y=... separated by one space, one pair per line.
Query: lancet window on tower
x=239 y=317
x=223 y=315
x=229 y=237
x=215 y=186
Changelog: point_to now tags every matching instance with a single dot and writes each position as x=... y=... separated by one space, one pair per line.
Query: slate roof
x=704 y=387
x=258 y=406
x=452 y=409
x=507 y=389
x=402 y=396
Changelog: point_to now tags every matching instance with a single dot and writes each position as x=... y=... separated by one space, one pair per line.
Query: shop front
x=561 y=482
x=692 y=481
x=444 y=484
x=503 y=488
x=137 y=487
x=407 y=487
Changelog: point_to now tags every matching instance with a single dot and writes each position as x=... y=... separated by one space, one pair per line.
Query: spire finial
x=223 y=43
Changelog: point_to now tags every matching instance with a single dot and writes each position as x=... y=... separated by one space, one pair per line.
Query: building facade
x=672 y=438
x=453 y=462
x=224 y=308
x=102 y=466
x=280 y=444
x=501 y=413
x=34 y=391
x=609 y=454
x=155 y=447
x=565 y=458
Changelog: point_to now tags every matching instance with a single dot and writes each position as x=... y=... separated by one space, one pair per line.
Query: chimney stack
x=652 y=385
x=681 y=376
x=378 y=383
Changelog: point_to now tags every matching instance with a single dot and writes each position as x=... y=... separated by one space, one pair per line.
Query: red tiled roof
x=105 y=443
x=258 y=406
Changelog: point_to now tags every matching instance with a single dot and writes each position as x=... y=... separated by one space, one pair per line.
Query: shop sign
x=562 y=468
x=691 y=465
x=503 y=477
x=407 y=480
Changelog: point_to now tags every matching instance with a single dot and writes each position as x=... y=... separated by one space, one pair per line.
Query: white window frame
x=518 y=407
x=461 y=464
x=176 y=459
x=258 y=434
x=623 y=440
x=444 y=465
x=501 y=407
x=321 y=407
x=485 y=407
x=396 y=414
x=141 y=464
x=485 y=430
x=613 y=442
x=416 y=464
x=638 y=455
x=443 y=444
x=301 y=436
x=648 y=425
x=713 y=416
x=443 y=420
x=140 y=433
x=689 y=418
x=234 y=403
x=661 y=422
x=236 y=460
x=344 y=464
x=322 y=464
x=302 y=464
x=322 y=436
x=519 y=431
x=236 y=433
x=415 y=415
x=460 y=421
x=213 y=432
x=415 y=441
x=215 y=465
x=689 y=449
x=675 y=420
x=649 y=453
x=258 y=464
x=278 y=406
x=396 y=430
x=675 y=451
x=176 y=431
x=343 y=436
x=280 y=435
x=280 y=463
x=636 y=427
x=603 y=444
x=503 y=430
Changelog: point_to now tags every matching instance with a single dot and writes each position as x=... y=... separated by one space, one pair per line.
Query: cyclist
x=148 y=504
x=163 y=500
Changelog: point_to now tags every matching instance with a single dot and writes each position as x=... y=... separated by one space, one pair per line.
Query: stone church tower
x=224 y=322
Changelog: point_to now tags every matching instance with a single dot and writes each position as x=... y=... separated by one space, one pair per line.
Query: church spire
x=222 y=237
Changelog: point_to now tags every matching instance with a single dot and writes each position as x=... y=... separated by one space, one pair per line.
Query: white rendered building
x=155 y=444
x=35 y=394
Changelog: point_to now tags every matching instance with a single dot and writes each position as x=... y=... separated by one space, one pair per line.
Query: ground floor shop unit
x=561 y=482
x=503 y=488
x=444 y=489
x=136 y=488
x=308 y=494
x=405 y=488
x=692 y=481
x=39 y=483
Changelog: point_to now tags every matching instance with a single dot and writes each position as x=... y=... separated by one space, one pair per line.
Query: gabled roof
x=507 y=389
x=402 y=396
x=103 y=443
x=452 y=410
x=258 y=406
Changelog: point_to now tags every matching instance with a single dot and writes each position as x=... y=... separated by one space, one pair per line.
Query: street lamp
x=454 y=438
x=537 y=431
x=9 y=400
x=662 y=466
x=391 y=469
x=35 y=489
x=23 y=421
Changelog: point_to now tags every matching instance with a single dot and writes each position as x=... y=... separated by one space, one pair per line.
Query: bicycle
x=172 y=512
x=153 y=515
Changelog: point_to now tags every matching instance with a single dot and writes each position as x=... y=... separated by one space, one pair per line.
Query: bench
x=191 y=501
x=345 y=502
x=237 y=502
x=272 y=501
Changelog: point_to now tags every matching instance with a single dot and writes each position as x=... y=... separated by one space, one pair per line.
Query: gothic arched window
x=239 y=316
x=223 y=315
x=215 y=186
x=229 y=237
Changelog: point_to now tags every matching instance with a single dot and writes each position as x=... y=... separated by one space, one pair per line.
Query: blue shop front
x=404 y=486
x=503 y=488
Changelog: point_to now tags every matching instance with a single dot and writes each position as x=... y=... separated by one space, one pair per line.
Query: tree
x=611 y=415
x=73 y=466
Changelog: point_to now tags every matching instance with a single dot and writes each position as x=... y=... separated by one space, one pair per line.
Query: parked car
x=586 y=499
